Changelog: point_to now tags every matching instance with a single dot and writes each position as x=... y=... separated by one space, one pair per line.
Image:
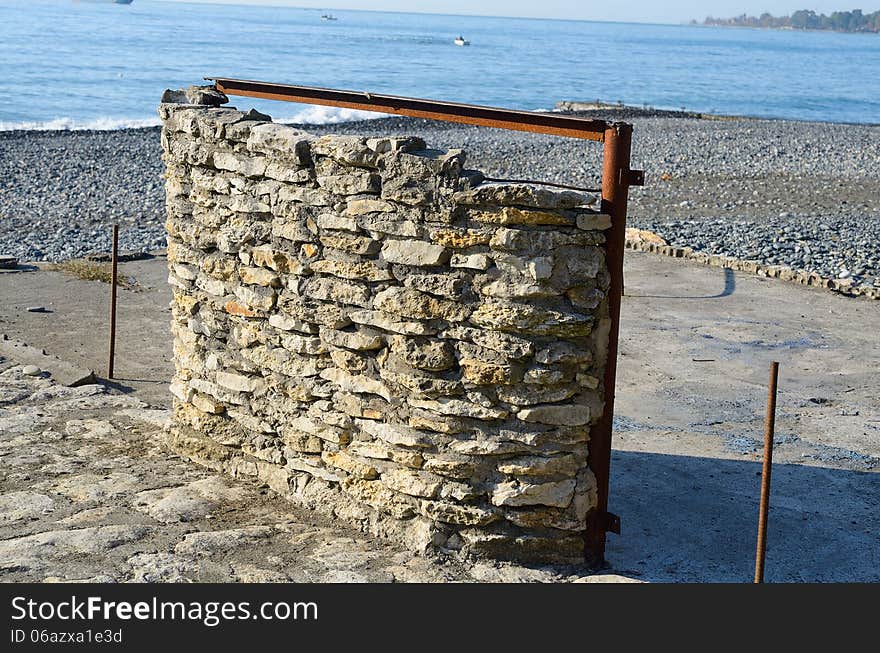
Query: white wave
x=309 y=116
x=329 y=116
x=102 y=123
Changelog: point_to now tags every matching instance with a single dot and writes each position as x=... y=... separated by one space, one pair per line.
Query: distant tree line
x=839 y=21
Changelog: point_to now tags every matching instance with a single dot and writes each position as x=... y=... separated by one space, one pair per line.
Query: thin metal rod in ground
x=114 y=265
x=769 y=428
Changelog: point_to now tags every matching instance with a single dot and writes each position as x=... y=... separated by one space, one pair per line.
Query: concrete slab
x=696 y=343
x=61 y=371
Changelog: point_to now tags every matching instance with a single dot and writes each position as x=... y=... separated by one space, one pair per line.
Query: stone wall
x=375 y=334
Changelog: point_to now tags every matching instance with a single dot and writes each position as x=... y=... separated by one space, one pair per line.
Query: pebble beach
x=804 y=195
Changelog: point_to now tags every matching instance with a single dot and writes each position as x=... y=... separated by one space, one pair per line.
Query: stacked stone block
x=374 y=333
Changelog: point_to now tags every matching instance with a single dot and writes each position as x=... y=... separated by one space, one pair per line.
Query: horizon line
x=269 y=3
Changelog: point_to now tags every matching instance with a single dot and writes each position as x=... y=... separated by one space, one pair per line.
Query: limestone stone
x=451 y=513
x=481 y=373
x=259 y=277
x=543 y=376
x=345 y=292
x=207 y=404
x=517 y=493
x=412 y=482
x=353 y=182
x=363 y=270
x=290 y=323
x=378 y=496
x=349 y=360
x=440 y=423
x=349 y=465
x=249 y=166
x=531 y=320
x=358 y=206
x=487 y=448
x=385 y=224
x=529 y=241
x=310 y=196
x=300 y=442
x=389 y=322
x=431 y=355
x=477 y=261
x=523 y=195
x=452 y=468
x=239 y=382
x=256 y=297
x=303 y=344
x=348 y=150
x=528 y=395
x=181 y=390
x=514 y=347
x=282 y=171
x=319 y=429
x=273 y=138
x=593 y=221
x=396 y=434
x=280 y=360
x=292 y=231
x=360 y=340
x=351 y=244
x=444 y=285
x=563 y=352
x=337 y=222
x=413 y=252
x=515 y=215
x=460 y=408
x=415 y=304
x=562 y=415
x=421 y=384
x=356 y=382
x=461 y=238
x=565 y=465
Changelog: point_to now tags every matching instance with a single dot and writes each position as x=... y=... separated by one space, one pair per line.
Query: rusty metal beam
x=616 y=179
x=468 y=114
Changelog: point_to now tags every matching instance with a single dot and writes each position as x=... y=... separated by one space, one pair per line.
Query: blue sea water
x=66 y=64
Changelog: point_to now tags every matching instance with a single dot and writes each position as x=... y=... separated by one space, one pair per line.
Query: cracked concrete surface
x=89 y=493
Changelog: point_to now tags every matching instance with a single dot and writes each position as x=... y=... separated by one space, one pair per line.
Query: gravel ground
x=800 y=194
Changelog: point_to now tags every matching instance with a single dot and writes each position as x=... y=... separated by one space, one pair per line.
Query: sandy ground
x=87 y=491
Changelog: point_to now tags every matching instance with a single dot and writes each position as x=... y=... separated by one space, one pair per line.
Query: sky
x=638 y=11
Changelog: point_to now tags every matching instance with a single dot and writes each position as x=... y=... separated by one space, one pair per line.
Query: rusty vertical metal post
x=114 y=265
x=615 y=189
x=769 y=428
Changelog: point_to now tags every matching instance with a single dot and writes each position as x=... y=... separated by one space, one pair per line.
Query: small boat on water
x=328 y=17
x=461 y=41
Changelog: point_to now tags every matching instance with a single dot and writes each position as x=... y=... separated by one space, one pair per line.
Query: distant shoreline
x=784 y=29
x=854 y=21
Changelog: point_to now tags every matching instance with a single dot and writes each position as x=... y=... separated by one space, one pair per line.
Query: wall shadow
x=687 y=518
x=727 y=291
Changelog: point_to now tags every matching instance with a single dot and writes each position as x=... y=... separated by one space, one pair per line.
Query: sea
x=94 y=65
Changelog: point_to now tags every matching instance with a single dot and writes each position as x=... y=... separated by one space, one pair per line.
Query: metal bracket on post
x=632 y=177
x=605 y=522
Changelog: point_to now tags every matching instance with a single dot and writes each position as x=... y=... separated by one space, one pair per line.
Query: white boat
x=461 y=41
x=328 y=17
